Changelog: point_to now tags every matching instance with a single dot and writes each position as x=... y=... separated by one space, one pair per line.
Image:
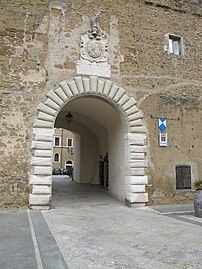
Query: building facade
x=63 y=151
x=129 y=73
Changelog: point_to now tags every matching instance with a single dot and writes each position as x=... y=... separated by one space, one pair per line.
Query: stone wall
x=39 y=47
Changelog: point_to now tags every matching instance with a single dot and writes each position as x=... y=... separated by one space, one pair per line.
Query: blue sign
x=162 y=124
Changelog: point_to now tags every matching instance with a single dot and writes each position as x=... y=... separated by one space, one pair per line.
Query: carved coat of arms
x=94 y=52
x=94 y=43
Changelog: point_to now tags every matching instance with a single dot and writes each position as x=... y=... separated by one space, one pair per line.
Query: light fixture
x=69 y=118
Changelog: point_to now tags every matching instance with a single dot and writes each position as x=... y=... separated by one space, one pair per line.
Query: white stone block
x=136 y=123
x=107 y=87
x=138 y=139
x=131 y=111
x=137 y=180
x=119 y=94
x=113 y=91
x=52 y=104
x=137 y=156
x=86 y=84
x=137 y=142
x=42 y=124
x=135 y=116
x=41 y=145
x=47 y=138
x=47 y=109
x=101 y=69
x=139 y=197
x=137 y=188
x=66 y=89
x=138 y=163
x=137 y=171
x=59 y=91
x=132 y=136
x=129 y=104
x=45 y=116
x=40 y=189
x=35 y=199
x=100 y=86
x=79 y=84
x=53 y=96
x=73 y=87
x=138 y=129
x=42 y=170
x=43 y=161
x=43 y=153
x=123 y=100
x=135 y=149
x=40 y=180
x=93 y=84
x=43 y=131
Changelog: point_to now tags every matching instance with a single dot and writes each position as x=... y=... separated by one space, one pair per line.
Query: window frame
x=55 y=137
x=179 y=177
x=72 y=142
x=56 y=153
x=170 y=44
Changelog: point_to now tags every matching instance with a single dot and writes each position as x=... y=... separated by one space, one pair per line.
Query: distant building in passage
x=63 y=149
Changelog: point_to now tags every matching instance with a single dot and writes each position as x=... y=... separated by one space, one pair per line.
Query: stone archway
x=42 y=143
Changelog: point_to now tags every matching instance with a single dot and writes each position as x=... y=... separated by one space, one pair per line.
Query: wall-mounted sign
x=162 y=124
x=163 y=140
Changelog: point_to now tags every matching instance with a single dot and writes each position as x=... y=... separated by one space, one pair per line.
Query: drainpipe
x=61 y=151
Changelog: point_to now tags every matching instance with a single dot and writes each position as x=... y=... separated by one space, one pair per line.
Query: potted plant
x=198 y=198
x=198 y=185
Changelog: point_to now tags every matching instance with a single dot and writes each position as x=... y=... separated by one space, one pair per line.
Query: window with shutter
x=173 y=44
x=183 y=177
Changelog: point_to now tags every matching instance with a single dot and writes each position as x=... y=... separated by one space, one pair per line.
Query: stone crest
x=94 y=43
x=94 y=51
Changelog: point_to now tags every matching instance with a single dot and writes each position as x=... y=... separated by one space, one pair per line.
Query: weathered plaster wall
x=39 y=47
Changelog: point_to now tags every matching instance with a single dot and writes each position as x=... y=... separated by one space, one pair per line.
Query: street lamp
x=69 y=118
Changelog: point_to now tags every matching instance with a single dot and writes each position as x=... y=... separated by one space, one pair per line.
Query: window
x=183 y=177
x=70 y=142
x=174 y=44
x=56 y=158
x=69 y=164
x=57 y=141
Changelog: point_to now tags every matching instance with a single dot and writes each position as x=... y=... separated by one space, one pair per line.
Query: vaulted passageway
x=99 y=129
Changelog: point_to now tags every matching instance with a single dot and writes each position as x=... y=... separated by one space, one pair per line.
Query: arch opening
x=105 y=121
x=101 y=129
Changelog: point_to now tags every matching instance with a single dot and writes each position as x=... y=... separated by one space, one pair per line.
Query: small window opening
x=70 y=142
x=57 y=141
x=56 y=158
x=175 y=45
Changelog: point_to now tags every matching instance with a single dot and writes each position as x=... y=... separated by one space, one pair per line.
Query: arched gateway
x=134 y=138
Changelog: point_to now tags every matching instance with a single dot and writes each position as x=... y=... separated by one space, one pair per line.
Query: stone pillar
x=41 y=163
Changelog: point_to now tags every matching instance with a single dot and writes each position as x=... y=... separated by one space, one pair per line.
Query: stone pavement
x=94 y=230
x=27 y=243
x=88 y=229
